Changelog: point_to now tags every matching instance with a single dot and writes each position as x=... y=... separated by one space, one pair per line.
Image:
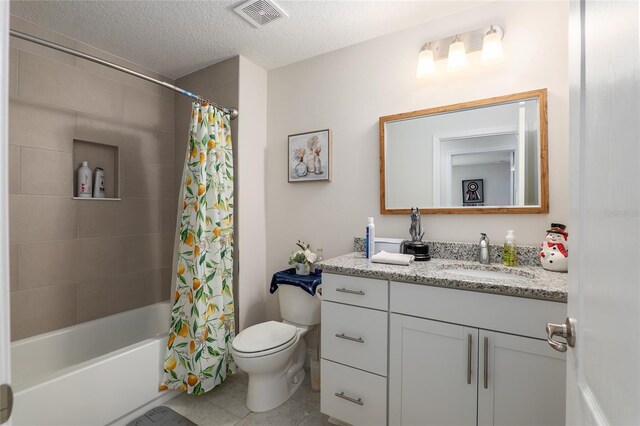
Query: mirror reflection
x=472 y=157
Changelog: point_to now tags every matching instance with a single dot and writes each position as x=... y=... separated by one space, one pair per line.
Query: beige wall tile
x=116 y=75
x=44 y=172
x=30 y=28
x=40 y=126
x=169 y=215
x=14 y=169
x=139 y=217
x=107 y=296
x=45 y=81
x=165 y=148
x=13 y=73
x=98 y=257
x=47 y=263
x=135 y=144
x=14 y=267
x=42 y=218
x=148 y=110
x=44 y=309
x=147 y=181
x=148 y=252
x=98 y=218
x=165 y=283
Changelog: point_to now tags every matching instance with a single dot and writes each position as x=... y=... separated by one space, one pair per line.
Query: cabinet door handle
x=348 y=398
x=353 y=339
x=486 y=363
x=469 y=343
x=346 y=290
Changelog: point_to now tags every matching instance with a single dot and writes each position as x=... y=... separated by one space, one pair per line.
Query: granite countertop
x=532 y=282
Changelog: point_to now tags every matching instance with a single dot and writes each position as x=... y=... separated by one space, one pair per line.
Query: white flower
x=311 y=257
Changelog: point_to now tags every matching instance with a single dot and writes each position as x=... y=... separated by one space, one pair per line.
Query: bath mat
x=161 y=416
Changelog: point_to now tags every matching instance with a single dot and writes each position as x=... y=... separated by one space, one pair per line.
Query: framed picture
x=309 y=156
x=473 y=192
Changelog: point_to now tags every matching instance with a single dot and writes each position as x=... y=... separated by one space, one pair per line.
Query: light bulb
x=426 y=64
x=492 y=48
x=457 y=56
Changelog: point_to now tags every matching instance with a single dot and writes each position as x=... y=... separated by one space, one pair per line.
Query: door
x=432 y=372
x=603 y=377
x=521 y=381
x=5 y=398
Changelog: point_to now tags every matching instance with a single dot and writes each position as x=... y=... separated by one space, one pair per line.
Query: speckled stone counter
x=529 y=281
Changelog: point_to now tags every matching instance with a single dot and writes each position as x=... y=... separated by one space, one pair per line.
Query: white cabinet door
x=521 y=381
x=432 y=372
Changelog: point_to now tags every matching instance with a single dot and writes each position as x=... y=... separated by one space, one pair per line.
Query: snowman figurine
x=554 y=255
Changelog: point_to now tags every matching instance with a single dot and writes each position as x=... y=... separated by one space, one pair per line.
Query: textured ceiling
x=176 y=38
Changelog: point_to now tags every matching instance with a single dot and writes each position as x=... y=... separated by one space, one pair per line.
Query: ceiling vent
x=260 y=12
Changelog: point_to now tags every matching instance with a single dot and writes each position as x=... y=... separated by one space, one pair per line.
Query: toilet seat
x=264 y=339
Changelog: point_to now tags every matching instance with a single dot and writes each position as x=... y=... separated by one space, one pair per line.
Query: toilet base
x=267 y=391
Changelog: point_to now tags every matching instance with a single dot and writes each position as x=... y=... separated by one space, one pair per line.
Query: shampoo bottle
x=84 y=181
x=98 y=185
x=509 y=250
x=370 y=239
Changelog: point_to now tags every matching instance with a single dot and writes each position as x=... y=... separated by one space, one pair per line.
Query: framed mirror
x=481 y=157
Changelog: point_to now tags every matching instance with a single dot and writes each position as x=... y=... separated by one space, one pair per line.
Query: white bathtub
x=93 y=373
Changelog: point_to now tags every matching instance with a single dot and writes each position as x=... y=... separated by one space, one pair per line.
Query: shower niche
x=105 y=156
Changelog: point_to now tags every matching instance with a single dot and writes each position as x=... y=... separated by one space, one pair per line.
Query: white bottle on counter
x=84 y=181
x=370 y=239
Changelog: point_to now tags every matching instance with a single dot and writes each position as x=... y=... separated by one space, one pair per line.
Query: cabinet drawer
x=353 y=396
x=366 y=292
x=355 y=336
x=509 y=314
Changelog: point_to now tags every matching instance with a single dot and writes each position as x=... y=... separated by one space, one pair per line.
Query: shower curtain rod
x=233 y=112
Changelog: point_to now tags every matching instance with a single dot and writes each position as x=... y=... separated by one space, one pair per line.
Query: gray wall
x=74 y=261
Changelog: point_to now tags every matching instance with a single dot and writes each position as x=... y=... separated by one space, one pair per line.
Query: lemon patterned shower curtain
x=202 y=327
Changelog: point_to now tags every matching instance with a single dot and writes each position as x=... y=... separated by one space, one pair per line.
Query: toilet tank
x=298 y=306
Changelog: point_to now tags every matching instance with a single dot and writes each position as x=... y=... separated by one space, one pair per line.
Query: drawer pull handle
x=486 y=363
x=346 y=290
x=348 y=398
x=469 y=343
x=353 y=339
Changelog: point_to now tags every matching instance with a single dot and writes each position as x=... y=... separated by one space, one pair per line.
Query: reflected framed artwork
x=473 y=192
x=309 y=156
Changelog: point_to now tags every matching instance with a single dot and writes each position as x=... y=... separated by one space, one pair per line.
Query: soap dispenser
x=483 y=249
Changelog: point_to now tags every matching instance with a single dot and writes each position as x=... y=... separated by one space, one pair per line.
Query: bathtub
x=93 y=373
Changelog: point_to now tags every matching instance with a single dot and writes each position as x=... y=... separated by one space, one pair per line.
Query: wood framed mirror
x=481 y=157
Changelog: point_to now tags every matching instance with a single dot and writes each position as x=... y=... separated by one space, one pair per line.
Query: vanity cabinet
x=409 y=354
x=444 y=371
x=354 y=349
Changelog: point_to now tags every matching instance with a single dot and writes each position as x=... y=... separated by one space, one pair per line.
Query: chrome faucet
x=483 y=249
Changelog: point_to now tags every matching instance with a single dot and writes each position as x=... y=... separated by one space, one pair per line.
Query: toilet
x=273 y=353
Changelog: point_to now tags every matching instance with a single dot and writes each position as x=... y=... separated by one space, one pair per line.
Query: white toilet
x=273 y=353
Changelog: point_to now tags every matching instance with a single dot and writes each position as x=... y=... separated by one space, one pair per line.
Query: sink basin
x=482 y=273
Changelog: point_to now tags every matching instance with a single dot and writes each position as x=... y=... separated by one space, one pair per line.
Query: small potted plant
x=302 y=259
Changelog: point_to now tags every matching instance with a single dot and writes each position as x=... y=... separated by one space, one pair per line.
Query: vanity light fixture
x=426 y=63
x=457 y=58
x=455 y=49
x=492 y=48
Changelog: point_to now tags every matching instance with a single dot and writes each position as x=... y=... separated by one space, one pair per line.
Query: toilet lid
x=264 y=336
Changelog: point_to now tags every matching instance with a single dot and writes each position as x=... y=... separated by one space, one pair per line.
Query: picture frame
x=473 y=192
x=309 y=156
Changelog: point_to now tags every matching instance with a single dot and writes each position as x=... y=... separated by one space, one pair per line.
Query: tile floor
x=225 y=406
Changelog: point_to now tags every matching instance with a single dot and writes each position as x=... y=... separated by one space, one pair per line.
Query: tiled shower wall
x=74 y=261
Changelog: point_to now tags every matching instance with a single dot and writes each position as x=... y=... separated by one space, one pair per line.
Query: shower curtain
x=198 y=355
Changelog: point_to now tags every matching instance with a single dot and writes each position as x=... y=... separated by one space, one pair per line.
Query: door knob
x=566 y=330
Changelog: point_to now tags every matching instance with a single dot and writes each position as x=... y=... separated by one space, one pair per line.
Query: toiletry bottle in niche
x=509 y=249
x=84 y=181
x=370 y=239
x=98 y=186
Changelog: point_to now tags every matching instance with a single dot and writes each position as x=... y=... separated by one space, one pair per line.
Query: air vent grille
x=260 y=12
